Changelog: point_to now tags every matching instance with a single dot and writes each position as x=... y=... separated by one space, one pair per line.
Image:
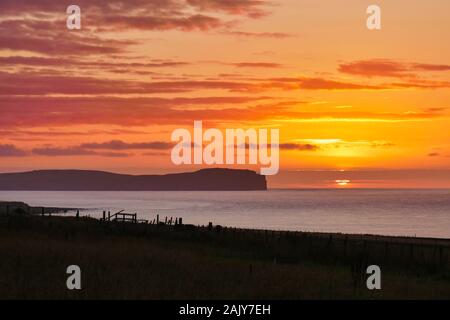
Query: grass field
x=141 y=261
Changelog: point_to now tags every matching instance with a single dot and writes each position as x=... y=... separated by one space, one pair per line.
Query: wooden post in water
x=42 y=211
x=109 y=215
x=157 y=219
x=180 y=221
x=165 y=220
x=78 y=214
x=104 y=215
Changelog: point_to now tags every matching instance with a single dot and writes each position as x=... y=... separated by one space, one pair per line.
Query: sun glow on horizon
x=343 y=183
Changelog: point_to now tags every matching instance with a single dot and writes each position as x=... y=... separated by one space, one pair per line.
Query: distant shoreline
x=19 y=207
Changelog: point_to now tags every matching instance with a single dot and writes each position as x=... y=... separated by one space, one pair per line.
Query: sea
x=397 y=212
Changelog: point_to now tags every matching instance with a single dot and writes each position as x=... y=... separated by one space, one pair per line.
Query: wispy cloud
x=107 y=149
x=120 y=145
x=56 y=111
x=31 y=83
x=9 y=150
x=275 y=35
x=341 y=143
x=389 y=68
x=256 y=65
x=73 y=151
x=299 y=146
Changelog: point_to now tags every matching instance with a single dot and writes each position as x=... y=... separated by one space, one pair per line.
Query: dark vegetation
x=143 y=261
x=21 y=208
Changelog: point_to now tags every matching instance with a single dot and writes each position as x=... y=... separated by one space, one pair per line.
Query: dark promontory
x=86 y=180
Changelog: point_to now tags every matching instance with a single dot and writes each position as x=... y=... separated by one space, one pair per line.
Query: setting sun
x=342 y=183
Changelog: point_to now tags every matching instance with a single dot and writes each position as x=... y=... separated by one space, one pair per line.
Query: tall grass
x=140 y=261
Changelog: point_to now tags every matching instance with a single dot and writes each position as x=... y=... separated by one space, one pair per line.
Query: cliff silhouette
x=88 y=180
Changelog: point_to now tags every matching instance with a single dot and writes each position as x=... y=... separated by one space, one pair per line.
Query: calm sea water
x=422 y=213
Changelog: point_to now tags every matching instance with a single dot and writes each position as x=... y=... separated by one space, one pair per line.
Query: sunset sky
x=370 y=107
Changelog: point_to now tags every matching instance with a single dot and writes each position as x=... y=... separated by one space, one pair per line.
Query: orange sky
x=345 y=99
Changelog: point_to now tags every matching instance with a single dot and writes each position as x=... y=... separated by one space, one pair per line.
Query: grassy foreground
x=141 y=261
